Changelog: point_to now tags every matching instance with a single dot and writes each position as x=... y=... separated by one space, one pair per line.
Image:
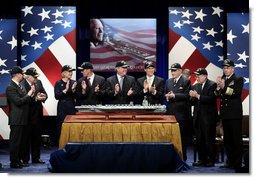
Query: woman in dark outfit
x=65 y=93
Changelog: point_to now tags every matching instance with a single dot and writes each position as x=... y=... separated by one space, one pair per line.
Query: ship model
x=128 y=49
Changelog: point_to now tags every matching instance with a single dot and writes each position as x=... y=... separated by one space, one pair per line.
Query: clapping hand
x=73 y=88
x=41 y=96
x=220 y=83
x=130 y=92
x=97 y=88
x=117 y=88
x=83 y=85
x=146 y=85
x=152 y=89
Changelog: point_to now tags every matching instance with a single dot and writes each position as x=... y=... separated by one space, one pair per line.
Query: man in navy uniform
x=205 y=117
x=91 y=87
x=35 y=116
x=229 y=89
x=177 y=96
x=121 y=88
x=151 y=85
x=18 y=101
x=65 y=93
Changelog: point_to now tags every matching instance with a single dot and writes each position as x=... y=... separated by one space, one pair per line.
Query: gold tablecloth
x=78 y=128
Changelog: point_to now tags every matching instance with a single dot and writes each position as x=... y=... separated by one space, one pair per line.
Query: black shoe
x=25 y=164
x=199 y=163
x=209 y=164
x=39 y=161
x=227 y=165
x=15 y=165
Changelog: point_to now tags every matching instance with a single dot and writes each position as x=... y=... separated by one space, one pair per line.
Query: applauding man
x=150 y=85
x=121 y=88
x=33 y=137
x=91 y=87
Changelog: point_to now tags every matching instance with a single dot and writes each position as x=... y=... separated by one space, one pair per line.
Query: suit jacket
x=230 y=98
x=178 y=106
x=18 y=102
x=35 y=107
x=121 y=97
x=205 y=108
x=90 y=97
x=152 y=99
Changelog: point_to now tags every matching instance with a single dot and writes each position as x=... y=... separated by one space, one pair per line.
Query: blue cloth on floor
x=111 y=157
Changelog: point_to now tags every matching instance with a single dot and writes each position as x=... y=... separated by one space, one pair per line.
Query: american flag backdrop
x=8 y=59
x=238 y=50
x=48 y=41
x=136 y=43
x=196 y=40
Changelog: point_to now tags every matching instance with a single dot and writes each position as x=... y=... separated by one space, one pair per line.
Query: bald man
x=97 y=31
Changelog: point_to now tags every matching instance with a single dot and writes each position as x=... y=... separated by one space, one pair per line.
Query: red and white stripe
x=49 y=65
x=5 y=128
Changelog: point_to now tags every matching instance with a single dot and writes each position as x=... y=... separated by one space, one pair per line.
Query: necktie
x=200 y=88
x=89 y=82
x=20 y=86
x=174 y=82
x=121 y=82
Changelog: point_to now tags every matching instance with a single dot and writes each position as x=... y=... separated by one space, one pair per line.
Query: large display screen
x=131 y=40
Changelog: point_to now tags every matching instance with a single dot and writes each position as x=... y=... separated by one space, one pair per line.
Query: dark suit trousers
x=31 y=141
x=206 y=133
x=184 y=130
x=35 y=132
x=16 y=135
x=233 y=141
x=25 y=145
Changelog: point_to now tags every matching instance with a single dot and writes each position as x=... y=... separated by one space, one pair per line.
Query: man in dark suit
x=177 y=97
x=205 y=117
x=121 y=88
x=91 y=87
x=18 y=101
x=35 y=117
x=229 y=89
x=151 y=86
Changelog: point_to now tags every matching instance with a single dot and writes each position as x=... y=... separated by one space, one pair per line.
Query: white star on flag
x=13 y=42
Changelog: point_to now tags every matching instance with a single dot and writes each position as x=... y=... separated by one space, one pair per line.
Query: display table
x=121 y=128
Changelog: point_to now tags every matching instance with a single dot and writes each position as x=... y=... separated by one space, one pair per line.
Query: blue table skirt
x=114 y=157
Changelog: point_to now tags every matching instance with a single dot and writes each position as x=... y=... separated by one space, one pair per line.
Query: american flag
x=48 y=42
x=238 y=50
x=8 y=59
x=131 y=40
x=196 y=40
